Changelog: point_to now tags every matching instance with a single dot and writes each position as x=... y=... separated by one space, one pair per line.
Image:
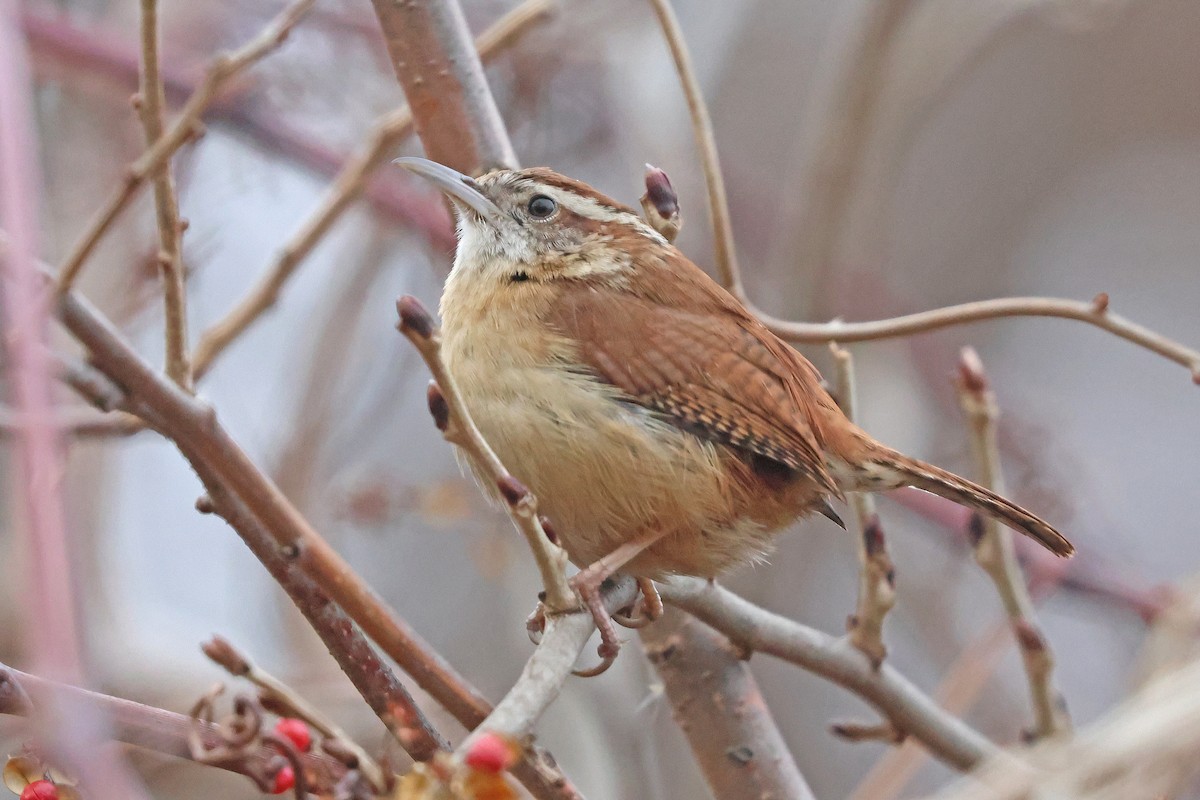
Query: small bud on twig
x=511 y=489
x=226 y=655
x=873 y=539
x=438 y=407
x=414 y=319
x=970 y=371
x=660 y=204
x=204 y=505
x=1100 y=302
x=548 y=529
x=1029 y=637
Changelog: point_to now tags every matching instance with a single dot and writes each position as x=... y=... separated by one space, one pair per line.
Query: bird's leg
x=587 y=585
x=648 y=603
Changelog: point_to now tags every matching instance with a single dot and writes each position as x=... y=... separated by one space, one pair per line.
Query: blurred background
x=878 y=164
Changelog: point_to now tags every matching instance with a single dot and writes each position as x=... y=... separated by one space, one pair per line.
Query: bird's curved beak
x=462 y=189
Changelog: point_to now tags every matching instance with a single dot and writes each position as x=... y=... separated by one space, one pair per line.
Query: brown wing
x=703 y=363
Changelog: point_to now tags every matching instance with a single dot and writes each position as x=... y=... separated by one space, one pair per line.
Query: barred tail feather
x=905 y=471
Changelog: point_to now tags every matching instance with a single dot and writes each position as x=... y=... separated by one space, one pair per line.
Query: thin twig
x=148 y=727
x=349 y=184
x=907 y=708
x=456 y=425
x=442 y=76
x=222 y=652
x=223 y=68
x=706 y=143
x=876 y=576
x=995 y=554
x=1094 y=313
x=151 y=100
x=721 y=711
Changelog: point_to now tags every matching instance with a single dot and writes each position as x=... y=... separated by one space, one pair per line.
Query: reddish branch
x=721 y=711
x=436 y=63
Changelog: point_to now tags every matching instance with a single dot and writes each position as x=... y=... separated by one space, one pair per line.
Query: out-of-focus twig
x=909 y=710
x=222 y=69
x=442 y=76
x=706 y=143
x=721 y=711
x=350 y=182
x=151 y=99
x=995 y=554
x=876 y=576
x=454 y=421
x=144 y=726
x=239 y=665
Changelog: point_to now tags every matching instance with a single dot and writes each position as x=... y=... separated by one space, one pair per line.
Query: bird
x=664 y=429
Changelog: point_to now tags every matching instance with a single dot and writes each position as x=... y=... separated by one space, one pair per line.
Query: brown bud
x=873 y=539
x=226 y=655
x=438 y=407
x=414 y=319
x=970 y=371
x=661 y=193
x=204 y=505
x=511 y=489
x=1100 y=302
x=548 y=529
x=975 y=528
x=1029 y=637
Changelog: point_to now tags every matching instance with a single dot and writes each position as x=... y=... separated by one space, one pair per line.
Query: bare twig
x=350 y=182
x=77 y=424
x=456 y=425
x=909 y=711
x=706 y=143
x=151 y=100
x=876 y=576
x=995 y=554
x=456 y=115
x=1094 y=313
x=145 y=726
x=547 y=670
x=223 y=68
x=721 y=711
x=218 y=649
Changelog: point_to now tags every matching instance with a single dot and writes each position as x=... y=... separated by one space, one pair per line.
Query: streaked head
x=535 y=224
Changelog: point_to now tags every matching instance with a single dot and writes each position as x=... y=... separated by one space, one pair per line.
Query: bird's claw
x=645 y=609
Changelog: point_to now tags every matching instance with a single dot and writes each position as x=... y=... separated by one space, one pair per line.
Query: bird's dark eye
x=542 y=206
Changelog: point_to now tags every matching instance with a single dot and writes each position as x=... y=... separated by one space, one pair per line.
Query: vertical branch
x=995 y=554
x=706 y=143
x=721 y=711
x=442 y=76
x=166 y=205
x=876 y=576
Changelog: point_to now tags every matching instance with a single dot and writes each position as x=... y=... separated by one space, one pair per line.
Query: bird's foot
x=587 y=585
x=645 y=609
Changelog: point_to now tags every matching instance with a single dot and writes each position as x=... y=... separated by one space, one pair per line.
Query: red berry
x=295 y=730
x=40 y=790
x=489 y=753
x=284 y=779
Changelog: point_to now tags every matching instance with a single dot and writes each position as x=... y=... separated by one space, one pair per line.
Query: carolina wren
x=662 y=427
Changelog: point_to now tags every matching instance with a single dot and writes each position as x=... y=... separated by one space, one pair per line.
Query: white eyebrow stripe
x=592 y=209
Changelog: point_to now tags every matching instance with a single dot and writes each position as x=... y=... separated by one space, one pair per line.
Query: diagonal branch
x=225 y=67
x=151 y=100
x=994 y=552
x=907 y=708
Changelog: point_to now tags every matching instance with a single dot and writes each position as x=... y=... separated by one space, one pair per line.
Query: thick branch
x=455 y=113
x=222 y=69
x=721 y=711
x=909 y=710
x=257 y=505
x=151 y=99
x=995 y=554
